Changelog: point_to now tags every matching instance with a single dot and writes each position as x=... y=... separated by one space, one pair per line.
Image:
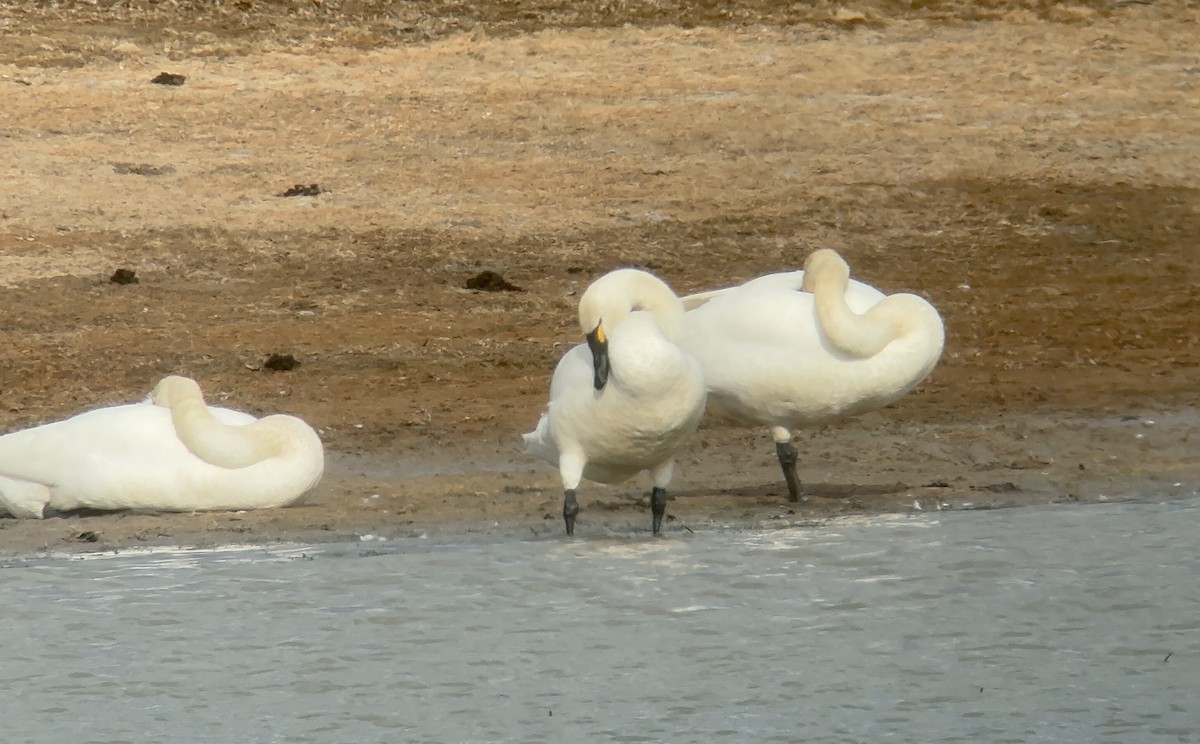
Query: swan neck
x=217 y=443
x=612 y=297
x=857 y=335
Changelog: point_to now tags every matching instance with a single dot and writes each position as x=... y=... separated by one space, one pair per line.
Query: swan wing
x=46 y=453
x=859 y=296
x=767 y=358
x=572 y=375
x=788 y=280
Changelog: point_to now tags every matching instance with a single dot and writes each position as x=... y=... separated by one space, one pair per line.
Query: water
x=1055 y=624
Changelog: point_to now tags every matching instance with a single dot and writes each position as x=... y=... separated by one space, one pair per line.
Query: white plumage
x=626 y=401
x=171 y=453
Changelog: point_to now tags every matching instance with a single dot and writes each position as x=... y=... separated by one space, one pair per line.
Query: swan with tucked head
x=805 y=347
x=170 y=453
x=628 y=399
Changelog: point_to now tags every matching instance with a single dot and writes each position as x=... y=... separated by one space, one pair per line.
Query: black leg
x=787 y=460
x=658 y=507
x=570 y=509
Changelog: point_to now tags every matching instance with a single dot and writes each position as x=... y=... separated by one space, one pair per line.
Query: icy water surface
x=1054 y=624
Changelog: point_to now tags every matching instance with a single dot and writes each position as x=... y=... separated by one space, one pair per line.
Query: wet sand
x=728 y=478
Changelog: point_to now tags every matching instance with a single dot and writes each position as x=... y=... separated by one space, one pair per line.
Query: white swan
x=627 y=400
x=171 y=453
x=805 y=347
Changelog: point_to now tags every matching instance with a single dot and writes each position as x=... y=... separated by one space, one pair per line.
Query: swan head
x=824 y=265
x=174 y=389
x=615 y=295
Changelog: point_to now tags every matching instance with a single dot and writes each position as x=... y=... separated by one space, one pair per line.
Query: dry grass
x=1047 y=159
x=76 y=32
x=593 y=128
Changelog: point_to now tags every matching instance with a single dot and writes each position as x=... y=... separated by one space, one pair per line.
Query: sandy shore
x=1031 y=169
x=728 y=478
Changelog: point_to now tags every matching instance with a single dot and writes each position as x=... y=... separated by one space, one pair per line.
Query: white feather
x=170 y=454
x=774 y=354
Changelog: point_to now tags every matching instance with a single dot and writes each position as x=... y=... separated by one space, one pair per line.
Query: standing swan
x=627 y=400
x=172 y=453
x=805 y=347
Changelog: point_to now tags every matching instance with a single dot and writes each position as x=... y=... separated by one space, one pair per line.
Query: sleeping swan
x=627 y=400
x=171 y=453
x=805 y=347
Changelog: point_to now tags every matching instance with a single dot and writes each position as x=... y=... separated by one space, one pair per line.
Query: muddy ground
x=1031 y=168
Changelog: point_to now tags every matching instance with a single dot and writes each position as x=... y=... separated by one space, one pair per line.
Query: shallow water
x=1047 y=624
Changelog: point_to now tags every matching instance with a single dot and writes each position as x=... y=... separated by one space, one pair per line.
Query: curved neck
x=221 y=444
x=615 y=295
x=862 y=336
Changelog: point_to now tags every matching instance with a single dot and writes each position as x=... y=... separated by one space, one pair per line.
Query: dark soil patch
x=490 y=281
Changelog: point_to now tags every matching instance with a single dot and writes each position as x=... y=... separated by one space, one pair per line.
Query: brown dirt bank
x=1030 y=168
x=726 y=479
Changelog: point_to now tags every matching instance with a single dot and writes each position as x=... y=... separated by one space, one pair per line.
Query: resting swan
x=171 y=453
x=628 y=400
x=805 y=347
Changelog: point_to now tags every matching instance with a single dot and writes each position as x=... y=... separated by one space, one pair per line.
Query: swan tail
x=540 y=443
x=23 y=499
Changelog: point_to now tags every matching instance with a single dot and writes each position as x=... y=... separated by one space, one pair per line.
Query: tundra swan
x=170 y=453
x=805 y=347
x=628 y=399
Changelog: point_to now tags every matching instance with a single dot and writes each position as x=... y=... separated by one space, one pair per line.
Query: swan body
x=628 y=399
x=170 y=453
x=806 y=347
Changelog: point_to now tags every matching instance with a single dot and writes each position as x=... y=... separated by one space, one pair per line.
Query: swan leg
x=570 y=467
x=570 y=509
x=787 y=460
x=658 y=496
x=658 y=507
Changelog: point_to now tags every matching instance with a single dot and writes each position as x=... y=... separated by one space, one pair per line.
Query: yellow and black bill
x=598 y=344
